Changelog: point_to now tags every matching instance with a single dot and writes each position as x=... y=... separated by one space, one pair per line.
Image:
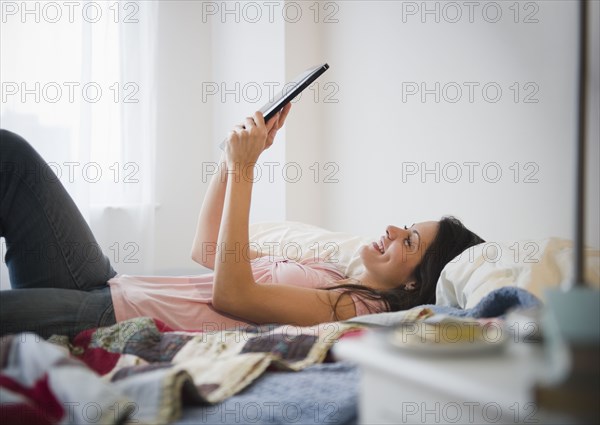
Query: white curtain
x=78 y=83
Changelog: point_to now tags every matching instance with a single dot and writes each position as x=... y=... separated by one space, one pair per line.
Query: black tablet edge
x=291 y=95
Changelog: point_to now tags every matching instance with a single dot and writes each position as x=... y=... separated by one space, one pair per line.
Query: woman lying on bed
x=62 y=283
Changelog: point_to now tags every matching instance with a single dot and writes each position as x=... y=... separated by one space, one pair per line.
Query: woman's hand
x=279 y=121
x=249 y=139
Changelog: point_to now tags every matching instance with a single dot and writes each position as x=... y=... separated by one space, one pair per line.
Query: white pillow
x=531 y=265
x=298 y=241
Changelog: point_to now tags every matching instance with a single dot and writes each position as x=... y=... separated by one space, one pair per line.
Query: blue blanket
x=326 y=393
x=495 y=304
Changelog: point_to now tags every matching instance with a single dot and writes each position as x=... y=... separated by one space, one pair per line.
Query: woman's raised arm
x=204 y=247
x=209 y=219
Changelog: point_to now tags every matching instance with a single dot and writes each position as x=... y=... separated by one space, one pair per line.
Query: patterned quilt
x=141 y=371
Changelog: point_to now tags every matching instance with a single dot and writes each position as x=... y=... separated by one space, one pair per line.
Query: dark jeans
x=57 y=270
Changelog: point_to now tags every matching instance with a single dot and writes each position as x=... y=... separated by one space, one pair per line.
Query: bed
x=143 y=371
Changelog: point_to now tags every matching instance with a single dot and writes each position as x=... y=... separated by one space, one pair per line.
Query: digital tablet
x=289 y=92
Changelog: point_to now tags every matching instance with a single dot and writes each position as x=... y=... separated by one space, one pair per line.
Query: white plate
x=447 y=337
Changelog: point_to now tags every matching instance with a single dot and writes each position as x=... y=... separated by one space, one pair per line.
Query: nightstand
x=400 y=387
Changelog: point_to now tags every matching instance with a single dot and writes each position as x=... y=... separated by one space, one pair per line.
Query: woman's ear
x=410 y=286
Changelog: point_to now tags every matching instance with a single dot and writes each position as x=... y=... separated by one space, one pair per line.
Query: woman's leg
x=57 y=270
x=48 y=243
x=49 y=311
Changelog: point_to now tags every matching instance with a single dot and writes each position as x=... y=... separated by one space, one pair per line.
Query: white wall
x=358 y=131
x=202 y=50
x=184 y=129
x=372 y=132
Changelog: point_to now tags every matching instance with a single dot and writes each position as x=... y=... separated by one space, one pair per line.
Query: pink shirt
x=184 y=303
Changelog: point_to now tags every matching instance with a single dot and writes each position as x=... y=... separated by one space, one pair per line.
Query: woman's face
x=391 y=261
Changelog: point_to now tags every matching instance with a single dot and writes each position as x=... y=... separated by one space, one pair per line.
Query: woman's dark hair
x=451 y=240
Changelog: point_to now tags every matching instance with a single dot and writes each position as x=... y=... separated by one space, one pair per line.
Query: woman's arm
x=209 y=219
x=235 y=291
x=204 y=248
